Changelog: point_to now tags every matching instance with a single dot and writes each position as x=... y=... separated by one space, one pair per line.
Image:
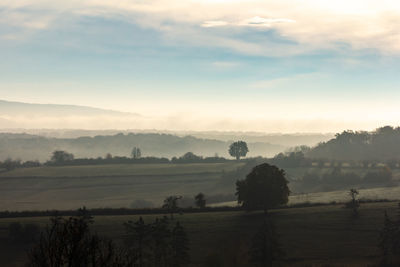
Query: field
x=119 y=185
x=312 y=236
x=114 y=186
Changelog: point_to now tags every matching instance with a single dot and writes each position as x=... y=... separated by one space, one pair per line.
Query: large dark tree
x=265 y=187
x=238 y=149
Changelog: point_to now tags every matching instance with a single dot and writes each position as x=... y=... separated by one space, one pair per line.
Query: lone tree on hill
x=238 y=149
x=265 y=187
x=200 y=200
x=136 y=153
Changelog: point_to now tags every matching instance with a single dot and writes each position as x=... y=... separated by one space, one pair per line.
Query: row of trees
x=60 y=157
x=71 y=242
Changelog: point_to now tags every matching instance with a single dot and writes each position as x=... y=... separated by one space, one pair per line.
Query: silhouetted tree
x=10 y=164
x=265 y=187
x=200 y=200
x=188 y=157
x=156 y=244
x=180 y=246
x=389 y=242
x=171 y=205
x=265 y=249
x=60 y=157
x=238 y=149
x=139 y=242
x=69 y=242
x=354 y=204
x=161 y=236
x=136 y=153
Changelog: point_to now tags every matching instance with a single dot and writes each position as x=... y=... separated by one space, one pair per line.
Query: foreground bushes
x=71 y=242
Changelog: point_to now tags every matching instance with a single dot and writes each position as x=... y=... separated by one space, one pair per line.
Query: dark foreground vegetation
x=308 y=236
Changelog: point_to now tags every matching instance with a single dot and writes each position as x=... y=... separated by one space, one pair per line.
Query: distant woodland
x=383 y=144
x=33 y=147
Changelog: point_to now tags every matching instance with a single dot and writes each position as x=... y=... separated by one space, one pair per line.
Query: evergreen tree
x=161 y=236
x=139 y=241
x=180 y=246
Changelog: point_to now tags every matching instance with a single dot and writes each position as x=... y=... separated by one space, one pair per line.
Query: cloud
x=214 y=23
x=263 y=22
x=251 y=22
x=299 y=80
x=313 y=25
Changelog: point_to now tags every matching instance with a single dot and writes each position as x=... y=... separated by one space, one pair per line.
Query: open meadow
x=120 y=185
x=113 y=185
x=310 y=236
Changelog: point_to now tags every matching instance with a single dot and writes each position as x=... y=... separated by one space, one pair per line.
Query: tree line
x=381 y=144
x=72 y=242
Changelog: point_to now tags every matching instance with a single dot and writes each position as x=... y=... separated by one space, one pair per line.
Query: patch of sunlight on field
x=389 y=193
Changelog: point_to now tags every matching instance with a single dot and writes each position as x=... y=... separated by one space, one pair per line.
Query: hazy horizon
x=18 y=115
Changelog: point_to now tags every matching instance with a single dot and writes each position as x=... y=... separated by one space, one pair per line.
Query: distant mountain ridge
x=12 y=108
x=33 y=116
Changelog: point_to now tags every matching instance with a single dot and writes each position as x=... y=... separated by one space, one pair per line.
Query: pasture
x=115 y=186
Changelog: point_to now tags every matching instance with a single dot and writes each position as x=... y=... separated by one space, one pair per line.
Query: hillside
x=33 y=147
x=383 y=144
x=10 y=108
x=27 y=115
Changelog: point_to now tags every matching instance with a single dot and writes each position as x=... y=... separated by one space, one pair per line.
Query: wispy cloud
x=312 y=24
x=214 y=23
x=251 y=22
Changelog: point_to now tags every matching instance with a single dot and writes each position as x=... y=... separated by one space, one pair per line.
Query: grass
x=121 y=170
x=310 y=236
x=100 y=186
x=298 y=173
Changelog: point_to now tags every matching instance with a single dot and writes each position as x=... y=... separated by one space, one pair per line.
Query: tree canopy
x=382 y=144
x=238 y=149
x=265 y=187
x=60 y=156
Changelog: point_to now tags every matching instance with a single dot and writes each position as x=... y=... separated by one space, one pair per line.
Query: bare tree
x=171 y=205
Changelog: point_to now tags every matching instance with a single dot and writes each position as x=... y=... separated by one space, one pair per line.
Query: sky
x=228 y=65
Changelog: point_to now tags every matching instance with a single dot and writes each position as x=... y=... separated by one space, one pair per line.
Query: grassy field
x=119 y=185
x=105 y=185
x=387 y=193
x=298 y=173
x=312 y=236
